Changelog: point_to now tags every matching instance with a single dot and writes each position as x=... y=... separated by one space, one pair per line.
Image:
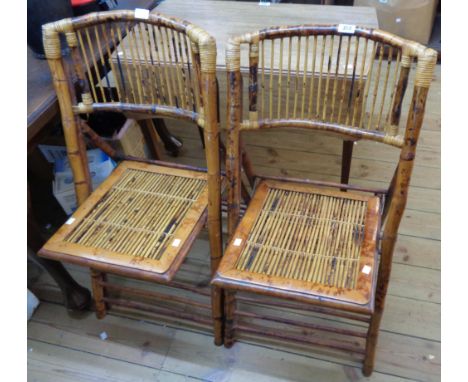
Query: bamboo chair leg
x=151 y=138
x=98 y=292
x=229 y=308
x=371 y=343
x=217 y=312
x=388 y=245
x=347 y=155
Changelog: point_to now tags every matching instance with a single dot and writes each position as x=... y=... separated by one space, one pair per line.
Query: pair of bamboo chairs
x=300 y=245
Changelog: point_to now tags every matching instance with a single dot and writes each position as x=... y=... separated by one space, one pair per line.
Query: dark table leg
x=347 y=155
x=171 y=143
x=75 y=296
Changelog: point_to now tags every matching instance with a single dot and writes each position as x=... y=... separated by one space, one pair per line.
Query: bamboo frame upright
x=363 y=99
x=193 y=54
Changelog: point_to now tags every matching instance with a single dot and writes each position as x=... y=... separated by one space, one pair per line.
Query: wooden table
x=225 y=19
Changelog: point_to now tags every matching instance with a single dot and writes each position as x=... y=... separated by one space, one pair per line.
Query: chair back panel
x=319 y=76
x=121 y=62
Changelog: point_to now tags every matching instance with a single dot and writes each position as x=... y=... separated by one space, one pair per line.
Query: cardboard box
x=100 y=166
x=53 y=153
x=411 y=19
x=130 y=140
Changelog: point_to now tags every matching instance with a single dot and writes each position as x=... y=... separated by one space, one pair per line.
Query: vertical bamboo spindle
x=72 y=41
x=337 y=71
x=384 y=92
x=149 y=72
x=280 y=77
x=136 y=64
x=263 y=77
x=176 y=65
x=234 y=100
x=88 y=67
x=304 y=76
x=327 y=82
x=376 y=87
x=359 y=93
x=312 y=76
x=296 y=77
x=400 y=93
x=185 y=70
x=196 y=78
x=345 y=79
x=127 y=64
x=367 y=86
x=253 y=81
x=124 y=90
x=103 y=63
x=396 y=71
x=270 y=88
x=319 y=86
x=167 y=61
x=92 y=49
x=107 y=43
x=159 y=53
x=190 y=74
x=152 y=61
x=288 y=80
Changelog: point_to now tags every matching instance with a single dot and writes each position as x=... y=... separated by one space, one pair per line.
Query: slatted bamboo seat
x=326 y=246
x=314 y=241
x=143 y=219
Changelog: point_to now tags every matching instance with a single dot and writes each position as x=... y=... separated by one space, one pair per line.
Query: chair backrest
x=340 y=79
x=143 y=65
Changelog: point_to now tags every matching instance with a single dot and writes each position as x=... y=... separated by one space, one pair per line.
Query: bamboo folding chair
x=143 y=219
x=325 y=247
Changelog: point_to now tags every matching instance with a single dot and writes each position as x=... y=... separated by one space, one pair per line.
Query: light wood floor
x=66 y=348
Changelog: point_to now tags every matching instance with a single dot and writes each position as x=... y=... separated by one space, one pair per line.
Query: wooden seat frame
x=272 y=292
x=68 y=77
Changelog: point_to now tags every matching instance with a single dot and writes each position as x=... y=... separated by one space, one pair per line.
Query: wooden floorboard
x=63 y=347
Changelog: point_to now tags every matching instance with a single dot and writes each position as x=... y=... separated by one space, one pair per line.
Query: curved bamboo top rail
x=413 y=48
x=347 y=80
x=70 y=25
